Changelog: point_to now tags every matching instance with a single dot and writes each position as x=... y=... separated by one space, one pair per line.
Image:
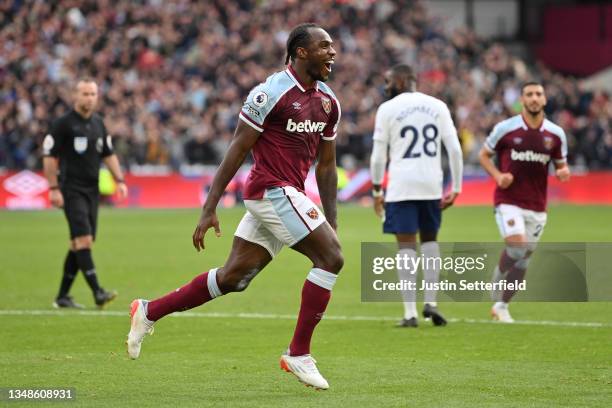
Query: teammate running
x=525 y=145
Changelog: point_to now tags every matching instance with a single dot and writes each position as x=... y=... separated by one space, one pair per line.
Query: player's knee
x=524 y=261
x=235 y=278
x=84 y=242
x=333 y=261
x=516 y=252
x=428 y=236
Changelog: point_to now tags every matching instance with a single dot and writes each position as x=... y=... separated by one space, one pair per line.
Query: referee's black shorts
x=81 y=210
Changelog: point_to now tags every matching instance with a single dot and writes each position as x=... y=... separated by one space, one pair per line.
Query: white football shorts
x=284 y=216
x=514 y=220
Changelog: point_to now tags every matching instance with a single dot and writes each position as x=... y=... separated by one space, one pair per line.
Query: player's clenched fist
x=504 y=180
x=207 y=220
x=563 y=174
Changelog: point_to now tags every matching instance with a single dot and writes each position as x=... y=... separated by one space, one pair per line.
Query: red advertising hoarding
x=29 y=190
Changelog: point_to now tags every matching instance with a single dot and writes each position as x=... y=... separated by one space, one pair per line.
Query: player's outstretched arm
x=503 y=180
x=244 y=139
x=327 y=180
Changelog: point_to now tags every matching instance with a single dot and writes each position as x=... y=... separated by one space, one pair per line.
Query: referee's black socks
x=71 y=268
x=86 y=264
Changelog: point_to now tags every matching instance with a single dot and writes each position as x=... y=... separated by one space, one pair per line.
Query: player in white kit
x=409 y=131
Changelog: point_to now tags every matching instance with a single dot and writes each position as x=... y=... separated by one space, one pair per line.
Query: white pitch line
x=271 y=316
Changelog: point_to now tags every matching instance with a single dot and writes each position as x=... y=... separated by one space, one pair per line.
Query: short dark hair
x=86 y=79
x=404 y=71
x=298 y=37
x=530 y=83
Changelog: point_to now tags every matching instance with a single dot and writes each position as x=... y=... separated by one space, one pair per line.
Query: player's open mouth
x=328 y=65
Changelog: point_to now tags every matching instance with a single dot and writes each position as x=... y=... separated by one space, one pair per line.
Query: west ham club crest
x=313 y=213
x=548 y=142
x=326 y=102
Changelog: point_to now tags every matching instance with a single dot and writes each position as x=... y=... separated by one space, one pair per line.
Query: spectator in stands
x=167 y=68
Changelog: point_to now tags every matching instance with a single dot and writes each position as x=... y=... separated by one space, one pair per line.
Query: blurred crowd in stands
x=173 y=74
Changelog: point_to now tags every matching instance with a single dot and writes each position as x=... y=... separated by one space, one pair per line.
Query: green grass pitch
x=217 y=357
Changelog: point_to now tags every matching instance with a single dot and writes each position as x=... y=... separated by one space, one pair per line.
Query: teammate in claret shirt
x=287 y=122
x=525 y=145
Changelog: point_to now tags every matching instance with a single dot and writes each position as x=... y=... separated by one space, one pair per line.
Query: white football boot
x=305 y=369
x=500 y=312
x=140 y=327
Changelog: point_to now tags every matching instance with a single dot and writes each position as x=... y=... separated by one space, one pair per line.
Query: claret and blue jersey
x=293 y=120
x=526 y=153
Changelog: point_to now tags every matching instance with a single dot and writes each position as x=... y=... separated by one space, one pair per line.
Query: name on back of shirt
x=417 y=109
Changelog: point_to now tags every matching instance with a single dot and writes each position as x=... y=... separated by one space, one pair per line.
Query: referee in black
x=74 y=148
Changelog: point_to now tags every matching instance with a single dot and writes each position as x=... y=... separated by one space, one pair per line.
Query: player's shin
x=407 y=272
x=431 y=270
x=200 y=290
x=509 y=256
x=515 y=274
x=316 y=293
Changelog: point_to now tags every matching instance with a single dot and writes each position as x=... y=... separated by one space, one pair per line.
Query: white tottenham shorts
x=284 y=216
x=514 y=220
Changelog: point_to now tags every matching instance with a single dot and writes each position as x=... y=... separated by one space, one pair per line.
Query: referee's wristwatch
x=377 y=193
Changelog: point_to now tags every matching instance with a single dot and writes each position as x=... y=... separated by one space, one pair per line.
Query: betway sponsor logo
x=530 y=156
x=305 y=126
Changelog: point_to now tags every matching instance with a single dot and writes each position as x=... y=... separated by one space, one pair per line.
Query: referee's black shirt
x=80 y=145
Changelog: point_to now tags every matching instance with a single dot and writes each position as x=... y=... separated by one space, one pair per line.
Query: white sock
x=211 y=283
x=431 y=269
x=407 y=274
x=322 y=278
x=501 y=305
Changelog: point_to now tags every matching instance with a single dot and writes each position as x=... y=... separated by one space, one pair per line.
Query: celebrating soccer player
x=287 y=122
x=524 y=144
x=413 y=126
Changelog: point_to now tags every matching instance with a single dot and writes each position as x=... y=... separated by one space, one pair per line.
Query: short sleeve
x=381 y=127
x=559 y=153
x=493 y=138
x=53 y=141
x=257 y=106
x=448 y=130
x=330 y=131
x=107 y=145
